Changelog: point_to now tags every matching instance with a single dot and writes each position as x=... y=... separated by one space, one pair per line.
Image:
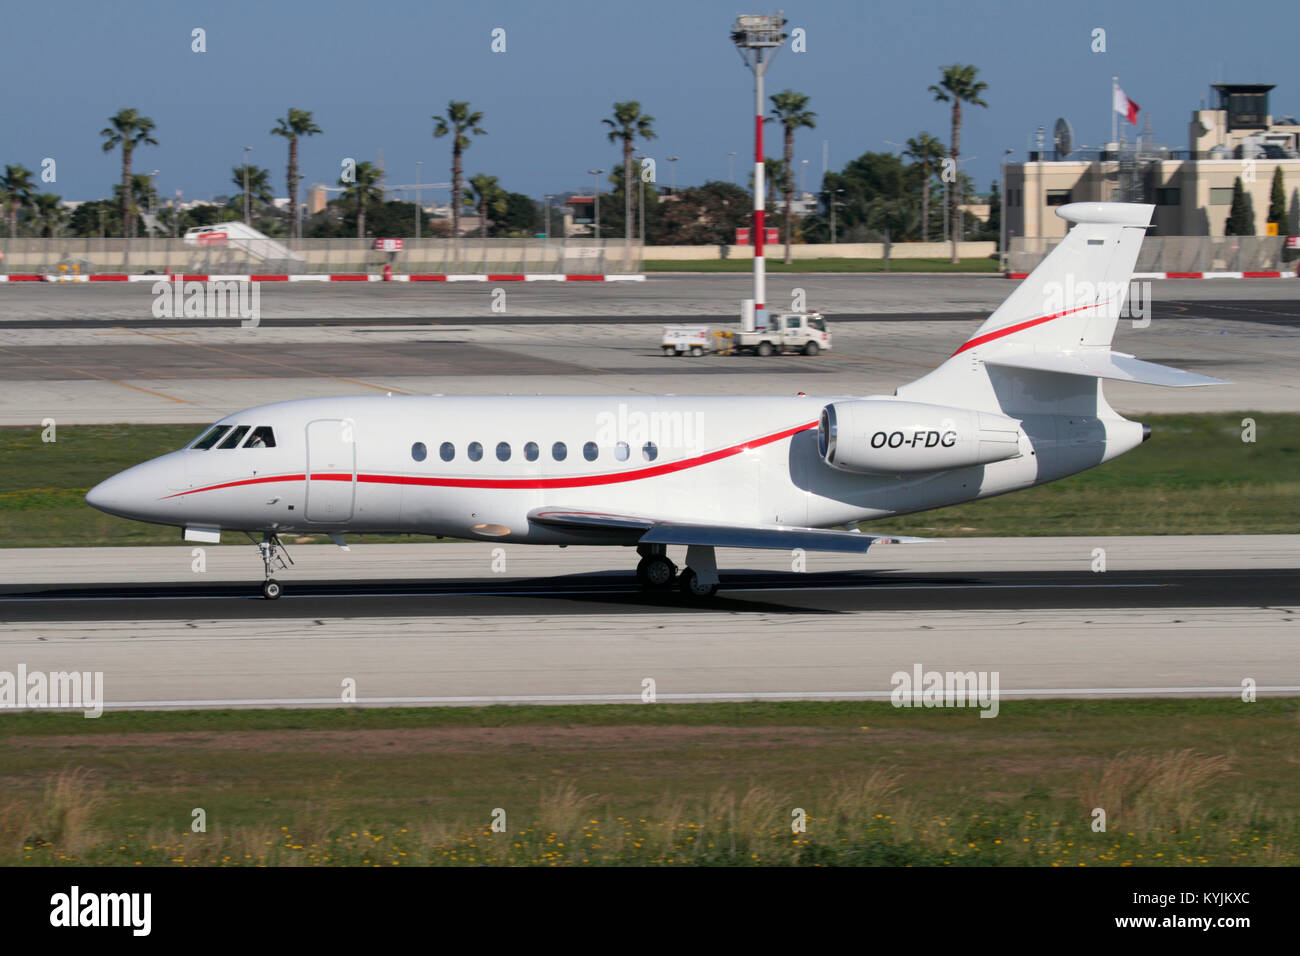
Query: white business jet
x=1018 y=404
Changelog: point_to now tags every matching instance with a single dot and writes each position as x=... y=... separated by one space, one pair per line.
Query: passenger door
x=331 y=469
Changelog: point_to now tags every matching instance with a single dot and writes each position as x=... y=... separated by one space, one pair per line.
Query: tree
x=259 y=184
x=127 y=129
x=50 y=214
x=18 y=190
x=459 y=121
x=296 y=124
x=362 y=190
x=142 y=194
x=790 y=109
x=706 y=214
x=1277 y=202
x=958 y=86
x=994 y=224
x=628 y=123
x=487 y=196
x=926 y=152
x=519 y=218
x=1241 y=218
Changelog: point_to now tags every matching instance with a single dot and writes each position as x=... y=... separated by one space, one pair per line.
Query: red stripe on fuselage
x=574 y=481
x=1018 y=327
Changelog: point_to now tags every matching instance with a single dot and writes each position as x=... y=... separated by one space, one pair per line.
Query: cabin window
x=263 y=437
x=649 y=451
x=503 y=451
x=419 y=452
x=474 y=450
x=621 y=451
x=590 y=451
x=211 y=438
x=559 y=451
x=447 y=451
x=531 y=451
x=235 y=437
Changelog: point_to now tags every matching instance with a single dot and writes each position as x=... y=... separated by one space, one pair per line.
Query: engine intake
x=883 y=437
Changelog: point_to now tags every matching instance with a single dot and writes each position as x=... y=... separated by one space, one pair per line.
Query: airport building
x=1191 y=188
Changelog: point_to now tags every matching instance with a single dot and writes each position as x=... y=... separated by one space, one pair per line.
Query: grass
x=1195 y=475
x=1182 y=782
x=982 y=264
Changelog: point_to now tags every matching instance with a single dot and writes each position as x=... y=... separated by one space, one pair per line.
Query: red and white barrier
x=330 y=277
x=1188 y=275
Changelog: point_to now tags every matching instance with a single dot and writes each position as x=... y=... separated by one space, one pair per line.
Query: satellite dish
x=1062 y=138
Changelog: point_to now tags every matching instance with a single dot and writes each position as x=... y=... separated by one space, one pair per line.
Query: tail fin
x=1058 y=323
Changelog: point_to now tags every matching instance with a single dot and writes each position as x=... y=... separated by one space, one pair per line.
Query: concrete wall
x=840 y=250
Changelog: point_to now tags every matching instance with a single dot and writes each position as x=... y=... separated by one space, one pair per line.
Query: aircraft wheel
x=812 y=348
x=692 y=587
x=656 y=572
x=764 y=349
x=271 y=589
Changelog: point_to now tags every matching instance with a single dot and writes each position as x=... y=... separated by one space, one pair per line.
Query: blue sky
x=373 y=74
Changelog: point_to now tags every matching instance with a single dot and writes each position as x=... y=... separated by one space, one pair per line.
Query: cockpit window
x=235 y=437
x=211 y=437
x=263 y=437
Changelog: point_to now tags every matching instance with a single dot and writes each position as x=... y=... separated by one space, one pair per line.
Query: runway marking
x=868 y=695
x=102 y=378
x=611 y=590
x=265 y=361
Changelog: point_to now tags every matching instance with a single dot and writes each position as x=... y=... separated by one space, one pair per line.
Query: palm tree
x=790 y=109
x=958 y=86
x=487 y=197
x=142 y=193
x=18 y=189
x=297 y=123
x=259 y=183
x=50 y=214
x=127 y=129
x=927 y=152
x=363 y=190
x=628 y=123
x=458 y=121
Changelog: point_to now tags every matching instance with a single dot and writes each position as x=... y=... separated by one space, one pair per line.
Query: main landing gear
x=274 y=557
x=656 y=572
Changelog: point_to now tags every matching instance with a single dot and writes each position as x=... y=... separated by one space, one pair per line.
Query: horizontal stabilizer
x=1102 y=363
x=666 y=532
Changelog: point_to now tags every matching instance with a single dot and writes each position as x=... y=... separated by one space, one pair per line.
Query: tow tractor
x=803 y=332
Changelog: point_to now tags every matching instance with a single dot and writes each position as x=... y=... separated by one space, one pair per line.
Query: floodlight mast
x=758 y=37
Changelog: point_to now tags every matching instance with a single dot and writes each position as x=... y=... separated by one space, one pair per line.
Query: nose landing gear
x=275 y=556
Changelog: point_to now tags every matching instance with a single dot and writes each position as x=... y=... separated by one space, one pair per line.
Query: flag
x=1125 y=106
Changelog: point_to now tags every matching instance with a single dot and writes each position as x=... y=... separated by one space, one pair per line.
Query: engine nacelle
x=886 y=437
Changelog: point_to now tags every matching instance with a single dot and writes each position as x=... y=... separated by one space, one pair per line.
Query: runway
x=419 y=624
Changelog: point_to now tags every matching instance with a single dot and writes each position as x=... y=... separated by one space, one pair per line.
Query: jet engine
x=883 y=437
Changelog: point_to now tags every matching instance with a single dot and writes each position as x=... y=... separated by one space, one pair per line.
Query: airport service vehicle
x=1017 y=404
x=687 y=340
x=786 y=332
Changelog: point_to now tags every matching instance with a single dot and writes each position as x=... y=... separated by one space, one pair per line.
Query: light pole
x=419 y=211
x=731 y=168
x=1002 y=215
x=595 y=195
x=640 y=160
x=803 y=178
x=758 y=37
x=672 y=172
x=176 y=214
x=246 y=202
x=153 y=219
x=834 y=202
x=546 y=202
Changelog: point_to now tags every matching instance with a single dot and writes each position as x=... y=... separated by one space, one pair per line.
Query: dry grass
x=1143 y=791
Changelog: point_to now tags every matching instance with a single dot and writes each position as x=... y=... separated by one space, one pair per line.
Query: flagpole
x=1114 y=117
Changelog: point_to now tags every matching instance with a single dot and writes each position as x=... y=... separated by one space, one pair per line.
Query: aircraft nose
x=111 y=495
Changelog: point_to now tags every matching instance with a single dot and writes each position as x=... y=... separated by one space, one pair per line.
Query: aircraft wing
x=644 y=530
